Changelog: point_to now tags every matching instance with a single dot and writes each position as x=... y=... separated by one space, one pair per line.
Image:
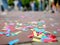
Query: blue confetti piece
x=43 y=37
x=39 y=30
x=1 y=32
x=45 y=32
x=7 y=35
x=13 y=41
x=9 y=30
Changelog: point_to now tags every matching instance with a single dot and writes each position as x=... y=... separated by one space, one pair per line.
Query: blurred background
x=29 y=5
x=13 y=11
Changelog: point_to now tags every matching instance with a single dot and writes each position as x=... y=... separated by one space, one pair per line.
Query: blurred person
x=20 y=5
x=32 y=5
x=58 y=6
x=46 y=4
x=36 y=5
x=1 y=6
x=4 y=7
x=11 y=4
x=53 y=8
x=16 y=4
x=41 y=5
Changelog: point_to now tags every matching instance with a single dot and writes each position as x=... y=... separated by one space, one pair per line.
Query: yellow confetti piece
x=35 y=34
x=18 y=32
x=40 y=36
x=32 y=29
x=40 y=27
x=36 y=40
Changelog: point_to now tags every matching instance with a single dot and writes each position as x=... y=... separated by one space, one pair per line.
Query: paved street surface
x=52 y=24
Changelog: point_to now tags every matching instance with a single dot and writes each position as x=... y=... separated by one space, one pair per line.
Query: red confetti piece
x=1 y=35
x=31 y=36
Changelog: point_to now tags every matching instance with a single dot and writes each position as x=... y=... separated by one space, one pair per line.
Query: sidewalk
x=30 y=16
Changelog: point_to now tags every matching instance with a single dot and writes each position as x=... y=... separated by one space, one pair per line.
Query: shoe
x=4 y=13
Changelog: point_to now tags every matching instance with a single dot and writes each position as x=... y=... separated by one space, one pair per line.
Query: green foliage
x=10 y=1
x=24 y=2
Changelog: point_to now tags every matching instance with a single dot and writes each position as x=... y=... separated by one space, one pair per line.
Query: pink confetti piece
x=52 y=25
x=43 y=21
x=22 y=16
x=44 y=26
x=11 y=27
x=11 y=23
x=58 y=29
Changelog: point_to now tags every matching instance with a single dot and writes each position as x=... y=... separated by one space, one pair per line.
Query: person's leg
x=20 y=6
x=2 y=9
x=5 y=4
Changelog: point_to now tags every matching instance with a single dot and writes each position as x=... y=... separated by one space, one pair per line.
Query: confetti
x=55 y=32
x=36 y=40
x=17 y=32
x=8 y=35
x=58 y=30
x=39 y=30
x=13 y=41
x=22 y=16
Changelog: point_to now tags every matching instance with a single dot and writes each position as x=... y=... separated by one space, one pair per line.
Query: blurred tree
x=10 y=2
x=37 y=3
x=24 y=2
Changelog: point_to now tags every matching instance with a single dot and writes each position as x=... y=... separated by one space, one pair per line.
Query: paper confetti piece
x=40 y=23
x=35 y=34
x=22 y=16
x=55 y=32
x=13 y=41
x=1 y=33
x=58 y=30
x=17 y=32
x=12 y=34
x=8 y=35
x=11 y=27
x=43 y=21
x=52 y=25
x=31 y=35
x=39 y=30
x=44 y=26
x=40 y=36
x=36 y=40
x=11 y=24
